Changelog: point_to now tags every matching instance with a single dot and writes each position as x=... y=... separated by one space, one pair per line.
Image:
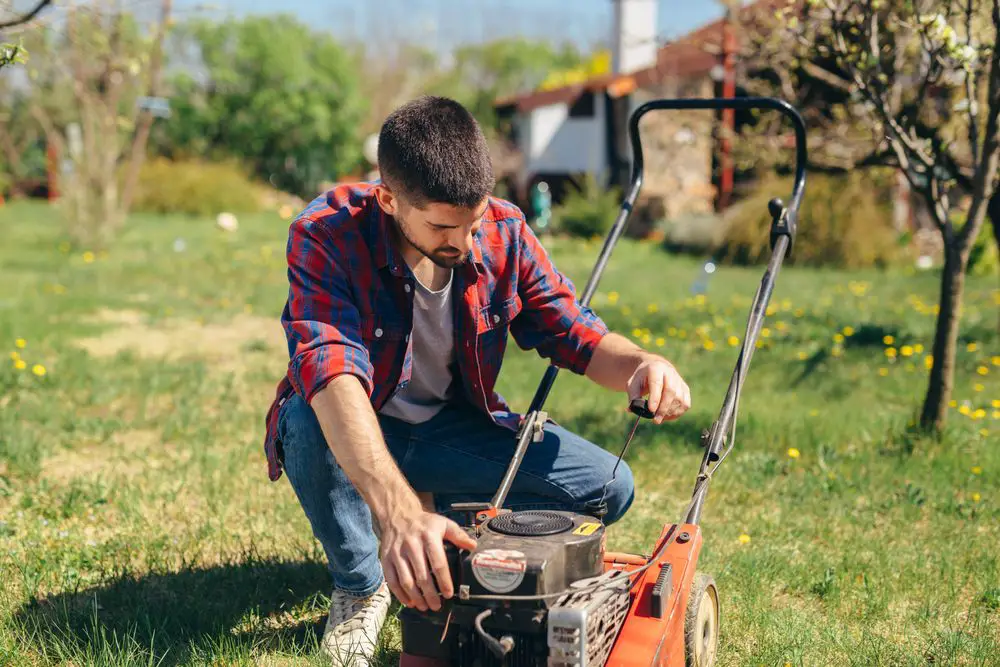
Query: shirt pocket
x=498 y=314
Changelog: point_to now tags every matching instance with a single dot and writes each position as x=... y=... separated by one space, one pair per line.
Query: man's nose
x=462 y=241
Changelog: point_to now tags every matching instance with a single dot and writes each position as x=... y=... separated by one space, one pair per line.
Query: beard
x=447 y=257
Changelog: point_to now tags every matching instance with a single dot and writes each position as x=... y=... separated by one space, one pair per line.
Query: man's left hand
x=669 y=396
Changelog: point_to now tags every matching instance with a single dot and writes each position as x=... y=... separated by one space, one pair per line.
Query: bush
x=844 y=221
x=196 y=188
x=588 y=211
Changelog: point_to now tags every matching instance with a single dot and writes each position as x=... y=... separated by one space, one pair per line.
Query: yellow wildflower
x=20 y=364
x=984 y=432
x=928 y=362
x=996 y=361
x=982 y=370
x=799 y=312
x=965 y=410
x=652 y=308
x=636 y=333
x=38 y=370
x=979 y=413
x=918 y=348
x=890 y=352
x=765 y=332
x=906 y=351
x=803 y=356
x=888 y=340
x=88 y=257
x=838 y=338
x=733 y=341
x=660 y=342
x=972 y=347
x=709 y=345
x=978 y=387
x=848 y=331
x=744 y=539
x=883 y=371
x=793 y=453
x=977 y=470
x=996 y=403
x=953 y=403
x=20 y=342
x=612 y=297
x=837 y=351
x=14 y=356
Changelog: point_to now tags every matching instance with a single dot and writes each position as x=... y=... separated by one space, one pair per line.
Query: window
x=583 y=106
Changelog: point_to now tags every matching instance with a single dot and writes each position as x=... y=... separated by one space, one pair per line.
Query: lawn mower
x=539 y=589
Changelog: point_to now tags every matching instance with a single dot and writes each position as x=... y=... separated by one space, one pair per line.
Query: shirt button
x=406 y=287
x=378 y=333
x=496 y=319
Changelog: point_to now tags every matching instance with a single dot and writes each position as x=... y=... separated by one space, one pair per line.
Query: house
x=579 y=130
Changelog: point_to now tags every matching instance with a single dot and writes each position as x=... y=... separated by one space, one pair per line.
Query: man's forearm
x=354 y=436
x=614 y=361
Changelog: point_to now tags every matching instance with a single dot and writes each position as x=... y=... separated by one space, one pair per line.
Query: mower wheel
x=701 y=623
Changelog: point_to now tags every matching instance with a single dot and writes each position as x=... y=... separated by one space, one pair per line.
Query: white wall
x=554 y=142
x=633 y=36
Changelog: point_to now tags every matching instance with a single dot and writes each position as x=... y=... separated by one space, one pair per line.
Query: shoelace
x=351 y=613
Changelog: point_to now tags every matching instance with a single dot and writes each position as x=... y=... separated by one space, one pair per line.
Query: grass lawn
x=138 y=526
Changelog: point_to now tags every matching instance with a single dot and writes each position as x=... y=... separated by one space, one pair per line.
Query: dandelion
x=652 y=308
x=953 y=403
x=38 y=370
x=803 y=356
x=780 y=325
x=20 y=364
x=984 y=432
x=814 y=413
x=888 y=340
x=995 y=361
x=636 y=333
x=765 y=332
x=88 y=257
x=918 y=348
x=793 y=453
x=996 y=414
x=972 y=347
x=612 y=297
x=733 y=341
x=21 y=343
x=709 y=345
x=837 y=351
x=977 y=470
x=976 y=497
x=799 y=312
x=838 y=338
x=660 y=341
x=890 y=352
x=906 y=351
x=979 y=414
x=744 y=538
x=848 y=331
x=965 y=410
x=982 y=370
x=928 y=362
x=996 y=403
x=883 y=371
x=978 y=386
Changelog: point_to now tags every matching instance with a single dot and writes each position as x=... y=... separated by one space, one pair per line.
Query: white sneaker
x=353 y=627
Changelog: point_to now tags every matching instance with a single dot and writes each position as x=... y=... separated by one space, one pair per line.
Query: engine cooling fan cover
x=531 y=523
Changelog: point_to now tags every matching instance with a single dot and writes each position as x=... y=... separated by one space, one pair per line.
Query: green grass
x=137 y=524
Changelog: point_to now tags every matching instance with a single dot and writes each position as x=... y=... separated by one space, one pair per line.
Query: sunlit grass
x=137 y=524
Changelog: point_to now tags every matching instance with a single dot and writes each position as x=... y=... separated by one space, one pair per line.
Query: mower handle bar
x=782 y=235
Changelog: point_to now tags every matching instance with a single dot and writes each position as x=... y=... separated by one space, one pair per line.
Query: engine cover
x=533 y=553
x=528 y=553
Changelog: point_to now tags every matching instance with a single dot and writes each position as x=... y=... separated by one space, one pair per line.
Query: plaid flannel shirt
x=350 y=306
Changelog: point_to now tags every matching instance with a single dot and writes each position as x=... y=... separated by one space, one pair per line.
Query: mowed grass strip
x=137 y=524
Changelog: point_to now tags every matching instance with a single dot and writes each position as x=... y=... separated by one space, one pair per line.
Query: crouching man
x=402 y=293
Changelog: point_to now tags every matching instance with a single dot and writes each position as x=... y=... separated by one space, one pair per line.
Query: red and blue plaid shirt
x=350 y=305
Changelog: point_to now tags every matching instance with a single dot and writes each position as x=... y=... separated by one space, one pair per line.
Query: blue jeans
x=460 y=456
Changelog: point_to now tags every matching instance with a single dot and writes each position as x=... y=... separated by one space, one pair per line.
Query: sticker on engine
x=586 y=528
x=499 y=570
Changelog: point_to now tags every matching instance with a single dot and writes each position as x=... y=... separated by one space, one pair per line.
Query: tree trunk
x=942 y=376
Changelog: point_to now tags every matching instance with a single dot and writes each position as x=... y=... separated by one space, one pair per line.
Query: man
x=401 y=296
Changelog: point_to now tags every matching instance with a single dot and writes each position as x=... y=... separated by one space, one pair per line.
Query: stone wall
x=677 y=152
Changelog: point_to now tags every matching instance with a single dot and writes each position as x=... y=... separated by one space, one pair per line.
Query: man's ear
x=386 y=199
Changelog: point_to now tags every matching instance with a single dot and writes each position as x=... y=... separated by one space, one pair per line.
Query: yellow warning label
x=586 y=528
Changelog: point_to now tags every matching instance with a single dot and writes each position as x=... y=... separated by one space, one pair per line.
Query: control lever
x=640 y=408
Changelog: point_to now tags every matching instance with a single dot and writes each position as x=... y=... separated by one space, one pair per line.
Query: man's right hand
x=413 y=557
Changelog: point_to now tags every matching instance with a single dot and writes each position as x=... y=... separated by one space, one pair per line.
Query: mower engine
x=525 y=555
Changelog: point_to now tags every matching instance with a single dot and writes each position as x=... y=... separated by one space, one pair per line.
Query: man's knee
x=621 y=493
x=298 y=427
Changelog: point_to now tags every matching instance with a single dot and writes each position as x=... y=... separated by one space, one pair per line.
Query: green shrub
x=196 y=188
x=844 y=221
x=588 y=211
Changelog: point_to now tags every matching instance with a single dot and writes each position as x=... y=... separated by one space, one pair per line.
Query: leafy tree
x=274 y=93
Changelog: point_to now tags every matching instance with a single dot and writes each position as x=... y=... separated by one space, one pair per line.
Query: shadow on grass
x=610 y=432
x=232 y=612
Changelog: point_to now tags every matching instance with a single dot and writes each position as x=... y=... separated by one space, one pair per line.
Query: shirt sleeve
x=321 y=322
x=552 y=320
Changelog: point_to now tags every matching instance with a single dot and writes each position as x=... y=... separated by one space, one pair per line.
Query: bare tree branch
x=24 y=18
